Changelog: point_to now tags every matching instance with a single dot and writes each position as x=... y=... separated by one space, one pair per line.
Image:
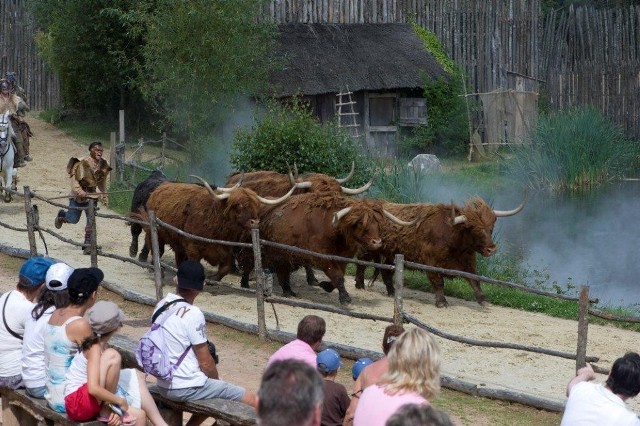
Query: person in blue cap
x=359 y=365
x=15 y=307
x=336 y=399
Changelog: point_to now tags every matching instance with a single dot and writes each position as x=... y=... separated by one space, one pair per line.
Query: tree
x=95 y=48
x=201 y=55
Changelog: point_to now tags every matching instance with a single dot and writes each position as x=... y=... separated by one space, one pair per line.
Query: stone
x=425 y=163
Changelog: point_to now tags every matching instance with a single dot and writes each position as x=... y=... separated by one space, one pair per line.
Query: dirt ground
x=537 y=375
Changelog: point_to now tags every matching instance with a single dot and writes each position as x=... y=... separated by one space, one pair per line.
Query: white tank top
x=59 y=351
x=76 y=374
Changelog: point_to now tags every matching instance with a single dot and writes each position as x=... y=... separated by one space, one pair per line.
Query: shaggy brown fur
x=437 y=241
x=192 y=209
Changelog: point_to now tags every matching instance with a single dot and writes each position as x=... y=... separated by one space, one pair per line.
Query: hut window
x=413 y=111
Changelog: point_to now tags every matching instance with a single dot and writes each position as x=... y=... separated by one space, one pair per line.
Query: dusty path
x=533 y=374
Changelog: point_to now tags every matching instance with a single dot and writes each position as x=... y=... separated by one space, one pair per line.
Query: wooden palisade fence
x=263 y=295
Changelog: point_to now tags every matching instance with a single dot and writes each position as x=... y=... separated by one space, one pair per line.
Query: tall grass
x=576 y=149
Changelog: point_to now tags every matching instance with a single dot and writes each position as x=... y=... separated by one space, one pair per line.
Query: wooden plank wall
x=18 y=54
x=592 y=57
x=488 y=38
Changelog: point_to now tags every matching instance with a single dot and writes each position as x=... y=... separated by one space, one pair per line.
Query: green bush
x=575 y=149
x=290 y=134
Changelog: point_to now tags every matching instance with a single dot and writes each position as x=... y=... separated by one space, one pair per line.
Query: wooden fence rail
x=262 y=296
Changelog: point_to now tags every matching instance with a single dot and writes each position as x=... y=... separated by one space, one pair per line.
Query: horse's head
x=5 y=126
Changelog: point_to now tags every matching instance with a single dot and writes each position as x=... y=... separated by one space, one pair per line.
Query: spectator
x=197 y=375
x=597 y=404
x=54 y=296
x=94 y=378
x=291 y=393
x=419 y=415
x=311 y=330
x=370 y=375
x=413 y=377
x=88 y=181
x=66 y=330
x=360 y=365
x=336 y=399
x=14 y=316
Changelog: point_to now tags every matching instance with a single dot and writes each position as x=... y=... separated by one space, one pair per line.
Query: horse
x=7 y=153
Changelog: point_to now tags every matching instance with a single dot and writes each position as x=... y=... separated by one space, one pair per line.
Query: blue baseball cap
x=328 y=361
x=33 y=272
x=359 y=365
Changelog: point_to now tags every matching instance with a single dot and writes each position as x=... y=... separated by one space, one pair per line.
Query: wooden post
x=398 y=285
x=164 y=143
x=94 y=237
x=31 y=233
x=112 y=158
x=121 y=122
x=257 y=255
x=583 y=324
x=155 y=252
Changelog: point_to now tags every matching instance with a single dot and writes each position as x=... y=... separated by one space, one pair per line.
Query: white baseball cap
x=57 y=276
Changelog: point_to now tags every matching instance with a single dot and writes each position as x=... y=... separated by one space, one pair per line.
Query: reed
x=573 y=150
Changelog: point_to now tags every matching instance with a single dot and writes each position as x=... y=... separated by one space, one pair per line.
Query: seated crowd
x=54 y=343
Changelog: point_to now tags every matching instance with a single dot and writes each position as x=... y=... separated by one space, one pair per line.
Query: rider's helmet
x=4 y=85
x=10 y=76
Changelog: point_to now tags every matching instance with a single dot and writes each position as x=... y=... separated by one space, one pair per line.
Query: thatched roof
x=327 y=58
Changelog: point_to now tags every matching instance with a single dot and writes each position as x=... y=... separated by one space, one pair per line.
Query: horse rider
x=14 y=87
x=14 y=103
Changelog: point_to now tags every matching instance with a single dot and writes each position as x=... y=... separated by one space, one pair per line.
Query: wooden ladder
x=347 y=116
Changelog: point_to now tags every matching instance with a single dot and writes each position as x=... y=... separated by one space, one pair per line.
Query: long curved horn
x=339 y=215
x=360 y=190
x=397 y=220
x=277 y=200
x=234 y=187
x=206 y=185
x=505 y=213
x=350 y=175
x=459 y=219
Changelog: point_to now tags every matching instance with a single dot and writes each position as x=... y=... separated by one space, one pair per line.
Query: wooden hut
x=370 y=75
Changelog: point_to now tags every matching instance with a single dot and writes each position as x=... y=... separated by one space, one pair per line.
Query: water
x=580 y=239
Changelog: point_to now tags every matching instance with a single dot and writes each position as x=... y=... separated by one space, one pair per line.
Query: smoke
x=585 y=239
x=581 y=240
x=212 y=159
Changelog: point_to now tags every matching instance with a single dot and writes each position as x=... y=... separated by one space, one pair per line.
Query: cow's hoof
x=289 y=293
x=244 y=285
x=345 y=299
x=7 y=199
x=360 y=285
x=391 y=291
x=313 y=282
x=326 y=286
x=133 y=250
x=442 y=304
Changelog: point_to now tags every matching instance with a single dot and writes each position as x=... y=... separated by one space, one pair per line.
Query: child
x=336 y=400
x=358 y=366
x=94 y=381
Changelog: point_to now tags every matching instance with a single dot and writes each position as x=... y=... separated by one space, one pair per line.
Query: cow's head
x=360 y=222
x=242 y=205
x=478 y=220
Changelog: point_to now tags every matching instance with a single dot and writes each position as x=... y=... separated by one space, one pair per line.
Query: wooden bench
x=231 y=412
x=19 y=409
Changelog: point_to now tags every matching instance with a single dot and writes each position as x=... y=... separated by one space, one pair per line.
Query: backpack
x=152 y=353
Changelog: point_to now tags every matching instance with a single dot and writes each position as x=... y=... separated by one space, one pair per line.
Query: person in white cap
x=54 y=296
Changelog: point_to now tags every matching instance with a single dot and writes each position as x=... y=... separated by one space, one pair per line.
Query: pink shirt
x=375 y=406
x=296 y=349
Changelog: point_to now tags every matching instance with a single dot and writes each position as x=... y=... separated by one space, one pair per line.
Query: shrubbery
x=290 y=134
x=574 y=149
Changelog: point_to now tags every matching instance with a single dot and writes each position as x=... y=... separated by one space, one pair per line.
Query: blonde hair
x=414 y=365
